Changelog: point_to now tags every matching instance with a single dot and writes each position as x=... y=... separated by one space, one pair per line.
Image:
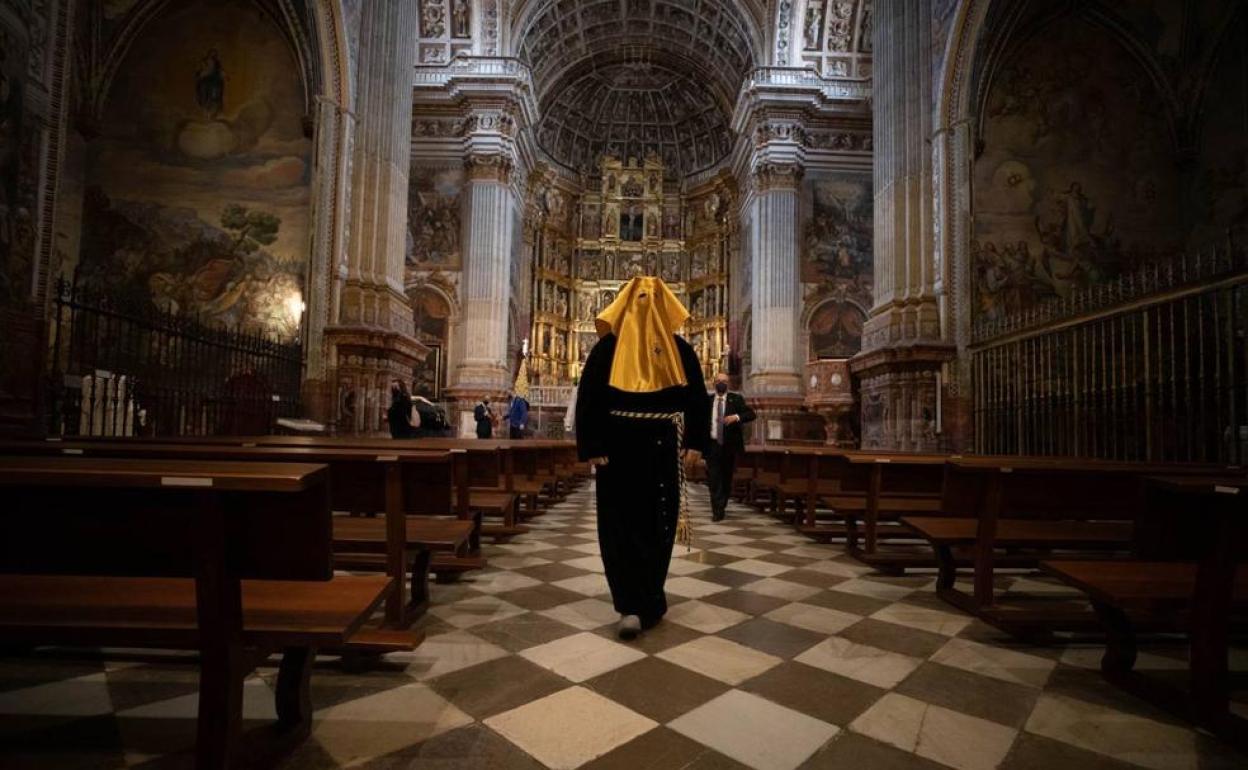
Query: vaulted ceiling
x=628 y=77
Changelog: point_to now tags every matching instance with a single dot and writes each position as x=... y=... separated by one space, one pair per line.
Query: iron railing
x=119 y=371
x=1153 y=367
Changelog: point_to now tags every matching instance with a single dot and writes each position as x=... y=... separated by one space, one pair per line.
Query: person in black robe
x=399 y=415
x=484 y=418
x=637 y=426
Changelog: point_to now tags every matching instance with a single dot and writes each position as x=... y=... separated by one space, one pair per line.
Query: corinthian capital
x=488 y=166
x=777 y=176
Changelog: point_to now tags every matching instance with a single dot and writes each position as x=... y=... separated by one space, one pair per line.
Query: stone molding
x=489 y=167
x=773 y=175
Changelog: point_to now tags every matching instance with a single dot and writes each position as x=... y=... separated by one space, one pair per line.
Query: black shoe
x=717 y=516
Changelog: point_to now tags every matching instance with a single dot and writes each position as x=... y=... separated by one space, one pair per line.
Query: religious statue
x=612 y=221
x=210 y=84
x=711 y=206
x=814 y=20
x=459 y=18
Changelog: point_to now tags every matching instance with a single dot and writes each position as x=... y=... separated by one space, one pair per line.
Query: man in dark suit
x=728 y=413
x=484 y=418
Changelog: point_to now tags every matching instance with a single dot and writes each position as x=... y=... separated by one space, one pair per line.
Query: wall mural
x=433 y=218
x=837 y=238
x=197 y=185
x=836 y=330
x=1219 y=187
x=1077 y=181
x=18 y=174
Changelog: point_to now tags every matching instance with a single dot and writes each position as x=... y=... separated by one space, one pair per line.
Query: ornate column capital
x=489 y=166
x=770 y=130
x=777 y=175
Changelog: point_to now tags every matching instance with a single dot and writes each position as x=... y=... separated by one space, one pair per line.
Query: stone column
x=775 y=365
x=371 y=338
x=488 y=219
x=903 y=349
x=373 y=295
x=491 y=203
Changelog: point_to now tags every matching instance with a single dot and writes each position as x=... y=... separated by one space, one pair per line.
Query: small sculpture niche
x=632 y=226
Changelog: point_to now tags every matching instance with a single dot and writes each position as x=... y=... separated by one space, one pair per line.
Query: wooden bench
x=413 y=489
x=1016 y=512
x=489 y=494
x=231 y=559
x=743 y=477
x=767 y=464
x=1188 y=574
x=862 y=491
x=488 y=462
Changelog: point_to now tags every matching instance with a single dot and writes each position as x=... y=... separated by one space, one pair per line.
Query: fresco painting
x=1077 y=180
x=197 y=184
x=1219 y=185
x=836 y=330
x=433 y=204
x=837 y=237
x=17 y=178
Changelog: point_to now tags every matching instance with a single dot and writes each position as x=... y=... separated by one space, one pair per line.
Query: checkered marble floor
x=776 y=653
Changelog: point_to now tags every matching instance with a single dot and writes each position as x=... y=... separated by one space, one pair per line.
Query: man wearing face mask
x=728 y=413
x=484 y=418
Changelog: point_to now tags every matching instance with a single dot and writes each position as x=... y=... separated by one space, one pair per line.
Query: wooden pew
x=414 y=490
x=743 y=477
x=767 y=464
x=231 y=559
x=793 y=483
x=529 y=468
x=1188 y=573
x=1018 y=511
x=867 y=489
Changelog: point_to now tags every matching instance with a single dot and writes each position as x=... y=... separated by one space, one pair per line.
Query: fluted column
x=488 y=223
x=369 y=339
x=774 y=362
x=373 y=294
x=905 y=276
x=903 y=351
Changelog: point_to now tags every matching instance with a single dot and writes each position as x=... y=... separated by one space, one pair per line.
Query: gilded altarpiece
x=632 y=220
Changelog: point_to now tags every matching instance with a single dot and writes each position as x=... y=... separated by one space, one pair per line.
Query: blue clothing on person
x=518 y=416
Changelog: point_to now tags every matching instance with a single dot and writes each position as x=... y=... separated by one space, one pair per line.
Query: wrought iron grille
x=1153 y=368
x=116 y=371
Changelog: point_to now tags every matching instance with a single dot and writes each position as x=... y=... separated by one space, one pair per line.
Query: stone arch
x=435 y=319
x=307 y=36
x=847 y=338
x=981 y=34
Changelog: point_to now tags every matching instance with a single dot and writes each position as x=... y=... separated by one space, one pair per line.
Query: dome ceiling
x=629 y=77
x=629 y=110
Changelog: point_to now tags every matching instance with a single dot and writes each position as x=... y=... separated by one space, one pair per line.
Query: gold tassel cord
x=684 y=525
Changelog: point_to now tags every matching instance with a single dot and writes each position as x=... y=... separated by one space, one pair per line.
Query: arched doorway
x=431 y=314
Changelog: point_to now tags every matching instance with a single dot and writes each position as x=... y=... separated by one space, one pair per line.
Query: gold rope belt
x=684 y=528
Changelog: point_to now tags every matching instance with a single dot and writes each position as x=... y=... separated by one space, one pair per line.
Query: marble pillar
x=488 y=222
x=370 y=340
x=903 y=345
x=774 y=380
x=775 y=366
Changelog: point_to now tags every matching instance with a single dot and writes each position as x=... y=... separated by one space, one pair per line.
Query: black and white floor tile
x=777 y=653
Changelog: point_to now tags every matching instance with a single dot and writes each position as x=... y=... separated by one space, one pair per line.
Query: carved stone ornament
x=772 y=176
x=488 y=166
